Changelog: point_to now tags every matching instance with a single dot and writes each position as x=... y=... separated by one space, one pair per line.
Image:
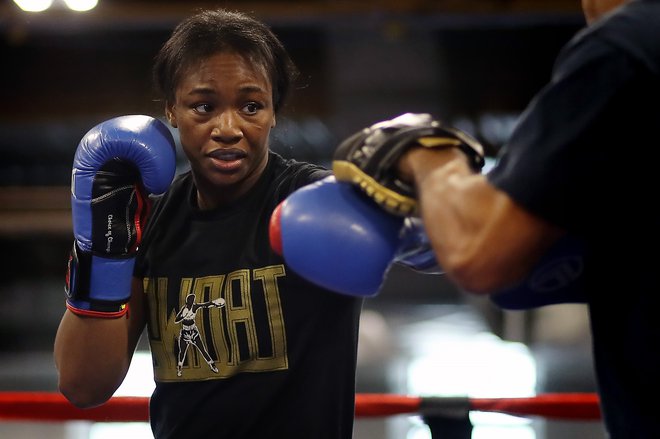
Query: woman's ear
x=274 y=122
x=169 y=113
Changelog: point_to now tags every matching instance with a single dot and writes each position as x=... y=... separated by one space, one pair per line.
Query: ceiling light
x=34 y=5
x=81 y=5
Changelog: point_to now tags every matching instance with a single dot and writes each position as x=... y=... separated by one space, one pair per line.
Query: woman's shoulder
x=299 y=173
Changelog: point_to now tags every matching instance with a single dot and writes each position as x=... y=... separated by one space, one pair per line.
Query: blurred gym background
x=473 y=63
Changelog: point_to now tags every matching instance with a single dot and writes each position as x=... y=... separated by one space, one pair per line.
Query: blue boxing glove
x=415 y=251
x=116 y=165
x=334 y=236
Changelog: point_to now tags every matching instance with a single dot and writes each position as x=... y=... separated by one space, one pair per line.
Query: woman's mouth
x=227 y=160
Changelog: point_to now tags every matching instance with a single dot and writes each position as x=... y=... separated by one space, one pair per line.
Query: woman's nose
x=227 y=128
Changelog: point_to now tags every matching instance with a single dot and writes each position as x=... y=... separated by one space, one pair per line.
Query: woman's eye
x=252 y=108
x=203 y=108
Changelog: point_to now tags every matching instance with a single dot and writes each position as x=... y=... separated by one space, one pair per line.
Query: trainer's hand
x=369 y=158
x=332 y=235
x=117 y=163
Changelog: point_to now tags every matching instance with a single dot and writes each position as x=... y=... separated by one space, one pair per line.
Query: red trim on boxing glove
x=141 y=216
x=274 y=230
x=89 y=313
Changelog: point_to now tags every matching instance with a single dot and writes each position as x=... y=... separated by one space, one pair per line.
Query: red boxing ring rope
x=52 y=406
x=575 y=406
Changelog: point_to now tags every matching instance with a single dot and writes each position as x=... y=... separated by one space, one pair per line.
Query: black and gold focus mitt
x=369 y=158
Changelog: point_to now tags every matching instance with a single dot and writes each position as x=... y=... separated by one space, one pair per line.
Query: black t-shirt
x=585 y=156
x=277 y=359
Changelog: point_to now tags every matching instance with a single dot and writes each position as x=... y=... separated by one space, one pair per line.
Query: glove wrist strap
x=96 y=286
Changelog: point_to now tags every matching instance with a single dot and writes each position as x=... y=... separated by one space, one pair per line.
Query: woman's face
x=223 y=108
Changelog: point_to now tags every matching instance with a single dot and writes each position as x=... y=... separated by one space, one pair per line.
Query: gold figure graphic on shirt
x=189 y=334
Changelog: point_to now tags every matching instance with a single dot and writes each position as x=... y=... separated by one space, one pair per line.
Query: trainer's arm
x=92 y=355
x=482 y=239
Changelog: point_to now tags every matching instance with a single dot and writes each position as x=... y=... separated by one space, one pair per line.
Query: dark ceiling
x=159 y=12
